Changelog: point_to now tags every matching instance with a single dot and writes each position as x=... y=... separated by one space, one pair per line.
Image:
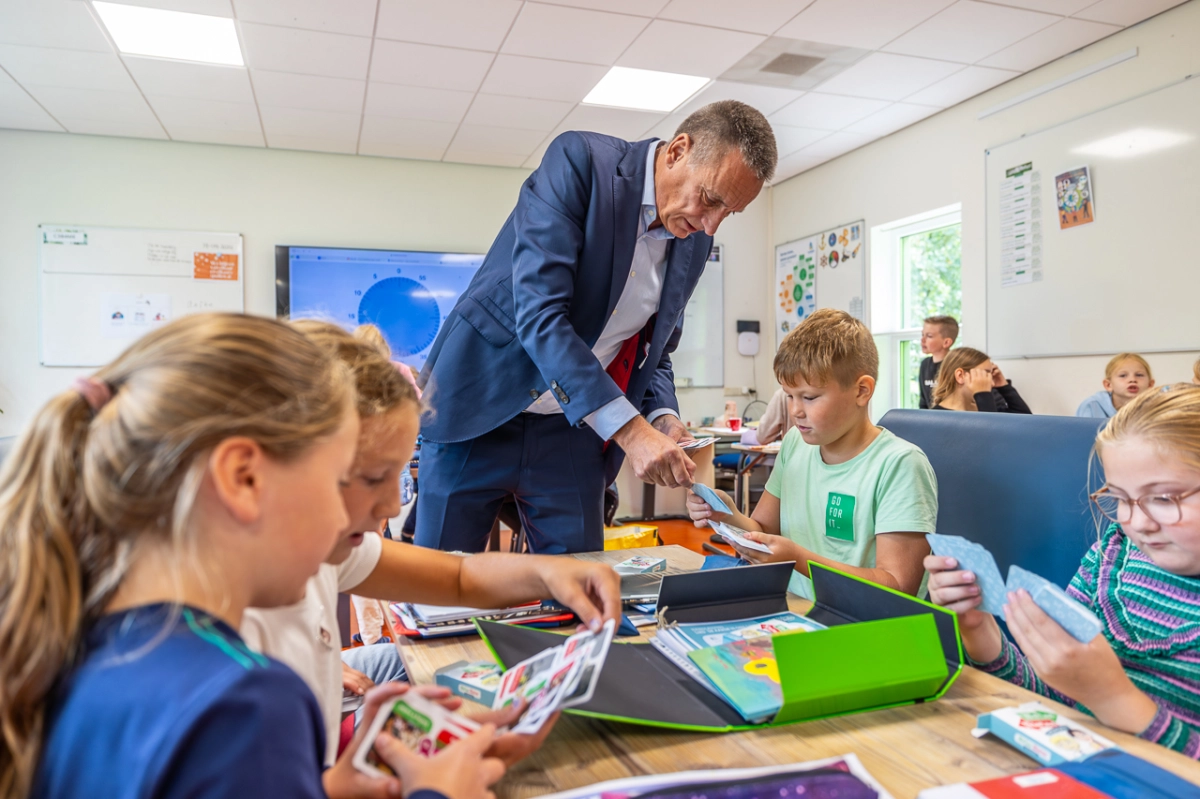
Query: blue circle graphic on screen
x=405 y=311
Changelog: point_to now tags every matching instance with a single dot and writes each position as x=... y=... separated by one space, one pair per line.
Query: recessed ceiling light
x=1133 y=143
x=171 y=34
x=644 y=89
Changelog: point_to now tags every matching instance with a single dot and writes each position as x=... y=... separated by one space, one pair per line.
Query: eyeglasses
x=1162 y=508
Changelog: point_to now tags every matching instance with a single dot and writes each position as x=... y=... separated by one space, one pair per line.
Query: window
x=916 y=273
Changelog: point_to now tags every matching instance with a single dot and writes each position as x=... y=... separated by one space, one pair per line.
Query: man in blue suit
x=555 y=363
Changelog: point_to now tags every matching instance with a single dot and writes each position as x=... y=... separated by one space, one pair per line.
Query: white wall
x=940 y=161
x=270 y=196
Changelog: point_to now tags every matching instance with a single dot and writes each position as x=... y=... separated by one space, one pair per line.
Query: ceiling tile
x=884 y=76
x=571 y=34
x=132 y=128
x=354 y=17
x=305 y=52
x=755 y=16
x=517 y=112
x=472 y=24
x=405 y=138
x=1126 y=12
x=187 y=79
x=243 y=138
x=461 y=156
x=491 y=139
x=518 y=76
x=187 y=112
x=95 y=105
x=969 y=31
x=288 y=90
x=794 y=164
x=788 y=139
x=51 y=23
x=535 y=160
x=1049 y=43
x=72 y=69
x=869 y=24
x=688 y=49
x=892 y=119
x=665 y=129
x=303 y=122
x=826 y=111
x=433 y=67
x=417 y=102
x=1064 y=7
x=836 y=144
x=640 y=8
x=18 y=109
x=767 y=99
x=617 y=122
x=315 y=144
x=211 y=8
x=961 y=86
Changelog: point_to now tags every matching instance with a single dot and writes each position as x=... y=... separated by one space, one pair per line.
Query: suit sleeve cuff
x=650 y=417
x=611 y=417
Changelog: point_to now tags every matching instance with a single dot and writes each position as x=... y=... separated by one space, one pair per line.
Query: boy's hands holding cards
x=705 y=504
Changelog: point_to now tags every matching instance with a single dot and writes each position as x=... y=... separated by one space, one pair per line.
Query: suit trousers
x=553 y=470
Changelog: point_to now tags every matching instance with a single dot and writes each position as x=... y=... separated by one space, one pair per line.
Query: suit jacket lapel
x=628 y=184
x=675 y=283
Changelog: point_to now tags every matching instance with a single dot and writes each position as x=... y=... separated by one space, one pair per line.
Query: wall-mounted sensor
x=747 y=331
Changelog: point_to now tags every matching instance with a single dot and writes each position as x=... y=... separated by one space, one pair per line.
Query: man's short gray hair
x=718 y=126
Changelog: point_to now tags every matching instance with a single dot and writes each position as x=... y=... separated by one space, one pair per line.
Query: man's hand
x=670 y=426
x=655 y=457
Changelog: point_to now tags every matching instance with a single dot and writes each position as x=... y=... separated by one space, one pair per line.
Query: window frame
x=888 y=284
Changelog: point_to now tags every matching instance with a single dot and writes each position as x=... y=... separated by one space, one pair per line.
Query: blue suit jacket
x=528 y=320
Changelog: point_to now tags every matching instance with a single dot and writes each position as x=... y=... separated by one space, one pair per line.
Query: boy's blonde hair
x=829 y=345
x=88 y=480
x=948 y=324
x=379 y=386
x=1120 y=358
x=1168 y=417
x=958 y=358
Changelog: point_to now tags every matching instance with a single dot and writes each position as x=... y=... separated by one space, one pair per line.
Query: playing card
x=696 y=443
x=736 y=536
x=545 y=696
x=711 y=497
x=1019 y=578
x=1080 y=622
x=520 y=678
x=976 y=559
x=420 y=724
x=591 y=656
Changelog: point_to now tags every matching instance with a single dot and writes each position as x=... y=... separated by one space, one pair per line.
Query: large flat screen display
x=406 y=293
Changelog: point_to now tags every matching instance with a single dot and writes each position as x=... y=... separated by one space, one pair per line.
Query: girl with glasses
x=1142 y=579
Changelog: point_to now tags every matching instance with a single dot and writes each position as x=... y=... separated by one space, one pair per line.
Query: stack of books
x=436 y=621
x=734 y=659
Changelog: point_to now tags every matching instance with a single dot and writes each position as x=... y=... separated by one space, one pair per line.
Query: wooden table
x=907 y=749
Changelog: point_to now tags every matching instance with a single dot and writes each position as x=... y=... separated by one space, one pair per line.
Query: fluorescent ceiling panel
x=171 y=34
x=644 y=89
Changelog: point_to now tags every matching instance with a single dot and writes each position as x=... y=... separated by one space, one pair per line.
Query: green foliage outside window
x=931 y=284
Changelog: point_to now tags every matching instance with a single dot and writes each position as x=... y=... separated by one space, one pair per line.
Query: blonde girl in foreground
x=140 y=513
x=1142 y=579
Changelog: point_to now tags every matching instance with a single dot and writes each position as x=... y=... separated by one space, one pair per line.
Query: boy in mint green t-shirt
x=844 y=492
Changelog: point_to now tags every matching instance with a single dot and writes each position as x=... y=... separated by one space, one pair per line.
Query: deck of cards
x=420 y=724
x=697 y=443
x=641 y=564
x=476 y=682
x=559 y=677
x=711 y=497
x=737 y=537
x=1073 y=617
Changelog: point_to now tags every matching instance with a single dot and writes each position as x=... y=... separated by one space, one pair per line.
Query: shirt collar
x=649 y=203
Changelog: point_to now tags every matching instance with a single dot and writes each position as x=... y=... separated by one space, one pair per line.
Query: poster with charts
x=829 y=266
x=1020 y=226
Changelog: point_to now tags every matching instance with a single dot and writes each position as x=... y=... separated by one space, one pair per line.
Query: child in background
x=305 y=635
x=140 y=513
x=938 y=335
x=844 y=492
x=1142 y=579
x=776 y=420
x=969 y=381
x=1125 y=376
x=1196 y=373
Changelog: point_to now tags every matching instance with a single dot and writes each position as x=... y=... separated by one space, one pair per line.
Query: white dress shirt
x=637 y=303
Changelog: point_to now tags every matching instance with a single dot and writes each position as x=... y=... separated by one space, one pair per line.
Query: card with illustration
x=420 y=724
x=737 y=537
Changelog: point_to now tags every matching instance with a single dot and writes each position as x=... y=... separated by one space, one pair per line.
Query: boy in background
x=844 y=492
x=938 y=335
x=1125 y=376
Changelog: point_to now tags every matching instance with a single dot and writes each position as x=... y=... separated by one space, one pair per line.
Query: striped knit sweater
x=1152 y=621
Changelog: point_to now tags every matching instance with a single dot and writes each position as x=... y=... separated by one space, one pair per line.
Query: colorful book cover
x=702 y=635
x=746 y=673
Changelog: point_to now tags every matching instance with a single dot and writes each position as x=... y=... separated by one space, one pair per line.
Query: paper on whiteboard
x=131 y=315
x=1020 y=226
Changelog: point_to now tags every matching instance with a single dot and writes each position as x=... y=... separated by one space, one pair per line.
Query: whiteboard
x=699 y=359
x=824 y=270
x=101 y=288
x=1128 y=279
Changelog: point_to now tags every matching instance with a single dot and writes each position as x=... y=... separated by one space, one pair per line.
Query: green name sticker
x=839 y=517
